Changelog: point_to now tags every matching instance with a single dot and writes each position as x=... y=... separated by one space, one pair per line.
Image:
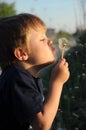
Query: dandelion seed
x=62 y=45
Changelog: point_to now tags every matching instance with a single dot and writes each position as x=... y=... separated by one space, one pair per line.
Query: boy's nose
x=50 y=42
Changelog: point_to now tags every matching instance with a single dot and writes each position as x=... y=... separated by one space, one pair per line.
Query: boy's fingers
x=66 y=64
x=62 y=61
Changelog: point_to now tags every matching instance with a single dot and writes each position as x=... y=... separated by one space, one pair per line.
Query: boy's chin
x=50 y=62
x=41 y=66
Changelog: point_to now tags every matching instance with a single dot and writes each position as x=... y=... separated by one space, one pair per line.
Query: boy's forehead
x=38 y=26
x=37 y=33
x=39 y=29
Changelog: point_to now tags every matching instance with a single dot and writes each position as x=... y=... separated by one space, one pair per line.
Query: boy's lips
x=53 y=49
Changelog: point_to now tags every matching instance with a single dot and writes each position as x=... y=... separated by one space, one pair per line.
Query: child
x=24 y=51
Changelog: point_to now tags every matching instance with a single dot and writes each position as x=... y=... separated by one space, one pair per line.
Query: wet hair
x=13 y=33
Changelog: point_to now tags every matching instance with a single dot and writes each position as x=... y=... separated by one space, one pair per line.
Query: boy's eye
x=42 y=39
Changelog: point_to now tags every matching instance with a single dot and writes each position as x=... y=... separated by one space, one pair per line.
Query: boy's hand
x=60 y=72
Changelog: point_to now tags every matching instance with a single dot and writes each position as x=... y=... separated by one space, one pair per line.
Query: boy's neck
x=33 y=70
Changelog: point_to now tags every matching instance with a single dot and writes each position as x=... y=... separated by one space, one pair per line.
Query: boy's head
x=13 y=32
x=16 y=33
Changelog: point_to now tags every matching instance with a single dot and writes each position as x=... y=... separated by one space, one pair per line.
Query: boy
x=24 y=51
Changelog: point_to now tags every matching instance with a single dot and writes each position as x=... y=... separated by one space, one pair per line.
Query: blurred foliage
x=7 y=9
x=73 y=100
x=72 y=108
x=63 y=34
x=80 y=36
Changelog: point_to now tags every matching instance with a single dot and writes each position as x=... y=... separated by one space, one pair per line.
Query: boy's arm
x=59 y=76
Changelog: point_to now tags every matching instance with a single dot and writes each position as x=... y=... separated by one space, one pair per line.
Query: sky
x=57 y=14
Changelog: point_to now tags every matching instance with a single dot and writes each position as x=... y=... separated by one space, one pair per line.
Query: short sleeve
x=26 y=96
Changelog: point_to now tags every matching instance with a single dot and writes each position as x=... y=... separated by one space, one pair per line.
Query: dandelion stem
x=63 y=47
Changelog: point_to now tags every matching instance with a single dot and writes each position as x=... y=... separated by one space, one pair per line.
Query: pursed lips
x=52 y=48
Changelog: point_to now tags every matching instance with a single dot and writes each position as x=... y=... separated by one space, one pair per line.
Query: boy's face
x=40 y=50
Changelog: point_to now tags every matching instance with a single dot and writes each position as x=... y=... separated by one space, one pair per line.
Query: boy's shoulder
x=20 y=77
x=15 y=71
x=14 y=74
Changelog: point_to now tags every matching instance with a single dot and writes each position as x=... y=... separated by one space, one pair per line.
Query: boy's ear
x=20 y=54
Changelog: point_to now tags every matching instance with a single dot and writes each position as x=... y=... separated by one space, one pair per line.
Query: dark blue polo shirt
x=21 y=97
